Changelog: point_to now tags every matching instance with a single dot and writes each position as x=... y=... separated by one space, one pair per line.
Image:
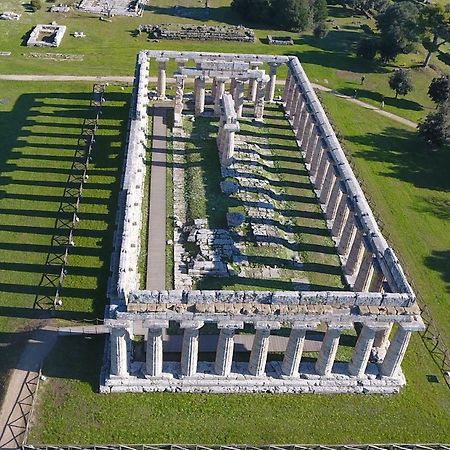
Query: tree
x=319 y=11
x=400 y=82
x=292 y=14
x=399 y=28
x=367 y=48
x=435 y=127
x=435 y=23
x=36 y=5
x=321 y=30
x=439 y=89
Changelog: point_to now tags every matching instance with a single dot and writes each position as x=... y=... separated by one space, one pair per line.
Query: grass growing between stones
x=410 y=190
x=40 y=124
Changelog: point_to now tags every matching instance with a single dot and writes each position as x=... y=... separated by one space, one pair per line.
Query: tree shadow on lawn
x=405 y=156
x=439 y=261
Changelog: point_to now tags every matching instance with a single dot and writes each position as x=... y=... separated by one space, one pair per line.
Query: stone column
x=316 y=157
x=272 y=81
x=397 y=349
x=322 y=171
x=200 y=95
x=239 y=98
x=259 y=103
x=252 y=84
x=361 y=352
x=353 y=258
x=154 y=354
x=330 y=344
x=161 y=88
x=327 y=183
x=294 y=350
x=119 y=340
x=287 y=87
x=340 y=217
x=298 y=112
x=220 y=89
x=227 y=146
x=189 y=350
x=376 y=284
x=260 y=348
x=294 y=109
x=364 y=274
x=178 y=107
x=382 y=337
x=214 y=88
x=333 y=200
x=347 y=233
x=225 y=347
x=233 y=87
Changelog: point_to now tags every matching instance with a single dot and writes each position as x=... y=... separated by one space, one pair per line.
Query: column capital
x=191 y=324
x=273 y=66
x=179 y=77
x=156 y=324
x=267 y=326
x=230 y=325
x=162 y=61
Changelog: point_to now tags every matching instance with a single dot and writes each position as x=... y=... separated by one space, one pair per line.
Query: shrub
x=367 y=48
x=36 y=5
x=321 y=30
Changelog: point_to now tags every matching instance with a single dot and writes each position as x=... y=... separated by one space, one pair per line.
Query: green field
x=40 y=124
x=408 y=185
x=110 y=49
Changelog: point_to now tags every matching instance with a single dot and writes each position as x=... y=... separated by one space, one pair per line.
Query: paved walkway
x=156 y=250
x=22 y=387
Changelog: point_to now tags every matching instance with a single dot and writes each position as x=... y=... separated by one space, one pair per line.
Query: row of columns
x=360 y=266
x=372 y=334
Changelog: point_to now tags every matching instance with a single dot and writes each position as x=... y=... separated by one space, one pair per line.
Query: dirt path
x=122 y=79
x=391 y=116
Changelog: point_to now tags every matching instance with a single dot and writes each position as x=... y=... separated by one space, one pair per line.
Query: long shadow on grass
x=405 y=157
x=29 y=199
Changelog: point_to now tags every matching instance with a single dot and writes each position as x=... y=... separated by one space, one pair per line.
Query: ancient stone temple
x=379 y=302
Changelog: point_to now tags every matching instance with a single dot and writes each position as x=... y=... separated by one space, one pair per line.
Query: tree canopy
x=400 y=82
x=285 y=14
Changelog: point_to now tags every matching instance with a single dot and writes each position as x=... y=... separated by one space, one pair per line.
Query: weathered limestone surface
x=369 y=263
x=53 y=36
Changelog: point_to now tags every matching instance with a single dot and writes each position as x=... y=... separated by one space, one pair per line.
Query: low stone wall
x=36 y=36
x=279 y=40
x=199 y=32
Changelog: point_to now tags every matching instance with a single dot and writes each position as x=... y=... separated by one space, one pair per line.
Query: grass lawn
x=39 y=124
x=70 y=411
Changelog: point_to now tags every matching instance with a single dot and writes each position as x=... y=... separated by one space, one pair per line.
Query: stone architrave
x=161 y=87
x=397 y=348
x=294 y=350
x=225 y=347
x=154 y=350
x=189 y=350
x=260 y=348
x=328 y=349
x=178 y=107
